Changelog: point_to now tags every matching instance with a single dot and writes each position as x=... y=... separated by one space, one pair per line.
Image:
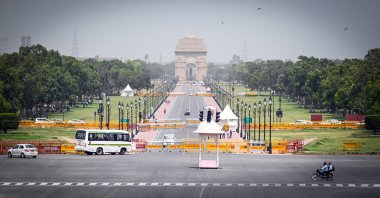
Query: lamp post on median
x=254 y=120
x=259 y=119
x=249 y=122
x=108 y=112
x=139 y=110
x=270 y=125
x=136 y=120
x=265 y=124
x=245 y=121
x=101 y=113
x=237 y=112
x=128 y=116
x=119 y=108
x=131 y=120
x=122 y=116
x=241 y=117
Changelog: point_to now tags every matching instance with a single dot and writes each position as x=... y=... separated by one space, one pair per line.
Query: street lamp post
x=241 y=117
x=237 y=112
x=144 y=114
x=122 y=116
x=245 y=121
x=119 y=108
x=108 y=112
x=136 y=120
x=131 y=119
x=128 y=117
x=259 y=119
x=101 y=113
x=249 y=122
x=139 y=110
x=254 y=120
x=270 y=125
x=265 y=124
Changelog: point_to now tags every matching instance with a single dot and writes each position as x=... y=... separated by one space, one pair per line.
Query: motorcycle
x=318 y=174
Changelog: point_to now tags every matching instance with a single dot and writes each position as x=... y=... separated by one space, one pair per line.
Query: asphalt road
x=176 y=175
x=180 y=106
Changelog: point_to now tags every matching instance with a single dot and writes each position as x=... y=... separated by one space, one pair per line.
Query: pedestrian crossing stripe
x=169 y=184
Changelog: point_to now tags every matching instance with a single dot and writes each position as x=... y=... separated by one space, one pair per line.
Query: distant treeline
x=342 y=86
x=36 y=80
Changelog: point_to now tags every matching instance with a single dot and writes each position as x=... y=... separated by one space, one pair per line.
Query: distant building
x=97 y=58
x=26 y=41
x=191 y=59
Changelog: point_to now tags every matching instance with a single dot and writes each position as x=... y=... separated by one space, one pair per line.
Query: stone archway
x=191 y=60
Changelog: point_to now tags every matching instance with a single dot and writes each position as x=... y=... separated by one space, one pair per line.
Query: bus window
x=80 y=135
x=91 y=137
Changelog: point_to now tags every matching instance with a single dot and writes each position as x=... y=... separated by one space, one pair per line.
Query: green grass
x=330 y=141
x=38 y=134
x=291 y=111
x=87 y=113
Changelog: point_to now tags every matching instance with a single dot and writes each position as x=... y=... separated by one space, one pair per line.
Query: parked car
x=23 y=150
x=76 y=121
x=190 y=94
x=332 y=121
x=168 y=139
x=56 y=120
x=301 y=122
x=187 y=113
x=41 y=120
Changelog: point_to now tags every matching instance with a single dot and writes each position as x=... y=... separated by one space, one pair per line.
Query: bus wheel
x=88 y=153
x=113 y=153
x=99 y=151
x=122 y=151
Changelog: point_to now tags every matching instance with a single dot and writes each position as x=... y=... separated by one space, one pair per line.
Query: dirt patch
x=66 y=139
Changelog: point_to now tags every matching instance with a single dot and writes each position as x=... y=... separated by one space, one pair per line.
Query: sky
x=129 y=29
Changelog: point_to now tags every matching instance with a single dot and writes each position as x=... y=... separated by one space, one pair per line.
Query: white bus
x=103 y=141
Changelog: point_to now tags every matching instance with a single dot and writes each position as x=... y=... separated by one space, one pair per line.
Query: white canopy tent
x=127 y=91
x=227 y=116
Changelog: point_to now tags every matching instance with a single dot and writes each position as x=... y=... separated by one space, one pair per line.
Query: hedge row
x=9 y=121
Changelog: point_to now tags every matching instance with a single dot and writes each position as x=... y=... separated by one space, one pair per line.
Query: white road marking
x=188 y=184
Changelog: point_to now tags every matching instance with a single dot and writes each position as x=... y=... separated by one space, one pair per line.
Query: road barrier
x=44 y=147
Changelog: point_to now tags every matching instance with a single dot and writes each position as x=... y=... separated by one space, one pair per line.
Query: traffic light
x=217 y=118
x=209 y=116
x=201 y=116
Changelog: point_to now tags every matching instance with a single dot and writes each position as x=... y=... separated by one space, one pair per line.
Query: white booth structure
x=127 y=91
x=208 y=130
x=228 y=117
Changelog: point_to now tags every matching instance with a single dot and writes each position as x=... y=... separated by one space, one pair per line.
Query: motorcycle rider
x=331 y=167
x=325 y=169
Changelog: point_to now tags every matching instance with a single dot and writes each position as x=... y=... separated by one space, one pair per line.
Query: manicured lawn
x=87 y=113
x=330 y=141
x=38 y=134
x=291 y=111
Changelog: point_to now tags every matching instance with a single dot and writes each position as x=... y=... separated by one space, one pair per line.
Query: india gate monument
x=191 y=60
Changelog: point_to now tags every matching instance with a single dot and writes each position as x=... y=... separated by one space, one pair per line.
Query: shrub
x=372 y=122
x=9 y=121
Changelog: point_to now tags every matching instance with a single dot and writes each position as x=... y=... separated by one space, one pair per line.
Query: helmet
x=324 y=163
x=330 y=163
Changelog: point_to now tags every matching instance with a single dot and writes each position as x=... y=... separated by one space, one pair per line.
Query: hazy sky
x=281 y=29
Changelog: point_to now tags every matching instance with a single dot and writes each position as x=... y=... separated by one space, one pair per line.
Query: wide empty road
x=177 y=175
x=179 y=107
